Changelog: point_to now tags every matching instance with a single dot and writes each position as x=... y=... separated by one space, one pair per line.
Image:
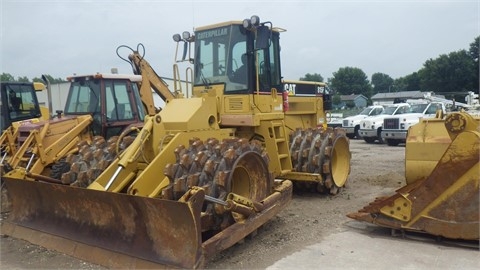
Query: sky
x=63 y=37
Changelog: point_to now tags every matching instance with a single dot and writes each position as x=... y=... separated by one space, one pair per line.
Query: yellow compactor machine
x=442 y=170
x=204 y=172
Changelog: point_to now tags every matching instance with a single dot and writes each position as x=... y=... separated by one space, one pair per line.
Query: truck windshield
x=418 y=108
x=389 y=110
x=366 y=111
x=394 y=110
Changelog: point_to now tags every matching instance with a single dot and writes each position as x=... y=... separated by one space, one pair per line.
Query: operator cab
x=244 y=56
x=113 y=100
x=18 y=102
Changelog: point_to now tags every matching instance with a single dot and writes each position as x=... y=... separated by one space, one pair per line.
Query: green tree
x=351 y=80
x=453 y=71
x=23 y=79
x=315 y=77
x=50 y=79
x=6 y=77
x=473 y=51
x=336 y=99
x=474 y=54
x=410 y=82
x=350 y=104
x=381 y=83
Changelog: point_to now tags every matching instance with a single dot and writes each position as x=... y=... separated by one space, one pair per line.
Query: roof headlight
x=255 y=20
x=247 y=24
x=177 y=37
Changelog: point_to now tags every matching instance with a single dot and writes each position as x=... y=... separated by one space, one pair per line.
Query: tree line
x=7 y=77
x=452 y=74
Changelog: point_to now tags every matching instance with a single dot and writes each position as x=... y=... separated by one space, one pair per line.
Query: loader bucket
x=111 y=229
x=426 y=143
x=445 y=203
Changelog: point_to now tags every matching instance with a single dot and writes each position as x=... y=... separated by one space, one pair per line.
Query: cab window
x=118 y=102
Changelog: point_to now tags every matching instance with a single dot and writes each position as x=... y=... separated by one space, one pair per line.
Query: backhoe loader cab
x=18 y=102
x=113 y=100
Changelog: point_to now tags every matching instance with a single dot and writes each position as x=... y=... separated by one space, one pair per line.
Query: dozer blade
x=90 y=223
x=446 y=203
x=125 y=231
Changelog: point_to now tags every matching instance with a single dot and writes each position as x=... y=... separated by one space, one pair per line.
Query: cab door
x=120 y=107
x=268 y=94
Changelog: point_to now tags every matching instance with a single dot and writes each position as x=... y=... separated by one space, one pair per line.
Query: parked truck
x=395 y=127
x=351 y=124
x=371 y=127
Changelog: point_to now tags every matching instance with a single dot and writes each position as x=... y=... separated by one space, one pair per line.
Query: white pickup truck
x=395 y=127
x=351 y=124
x=371 y=127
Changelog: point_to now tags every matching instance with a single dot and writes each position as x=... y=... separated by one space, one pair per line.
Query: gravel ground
x=375 y=170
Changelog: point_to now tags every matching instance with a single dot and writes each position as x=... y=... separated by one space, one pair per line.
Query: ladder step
x=279 y=140
x=280 y=156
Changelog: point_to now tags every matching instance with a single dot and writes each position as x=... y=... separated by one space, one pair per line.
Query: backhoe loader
x=99 y=108
x=205 y=171
x=18 y=105
x=441 y=196
x=97 y=105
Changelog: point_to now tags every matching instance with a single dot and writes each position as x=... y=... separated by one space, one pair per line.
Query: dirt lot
x=375 y=170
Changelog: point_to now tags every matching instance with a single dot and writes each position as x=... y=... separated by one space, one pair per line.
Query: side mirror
x=263 y=37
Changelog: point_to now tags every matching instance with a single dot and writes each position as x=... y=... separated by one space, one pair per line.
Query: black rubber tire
x=392 y=142
x=59 y=168
x=356 y=133
x=379 y=136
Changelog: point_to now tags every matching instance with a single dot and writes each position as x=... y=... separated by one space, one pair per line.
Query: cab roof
x=227 y=23
x=304 y=82
x=131 y=77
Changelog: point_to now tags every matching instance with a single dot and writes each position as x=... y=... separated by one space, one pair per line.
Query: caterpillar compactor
x=442 y=173
x=204 y=172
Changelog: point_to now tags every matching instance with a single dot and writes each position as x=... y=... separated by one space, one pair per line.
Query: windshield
x=221 y=57
x=394 y=110
x=22 y=102
x=366 y=111
x=84 y=97
x=389 y=110
x=418 y=108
